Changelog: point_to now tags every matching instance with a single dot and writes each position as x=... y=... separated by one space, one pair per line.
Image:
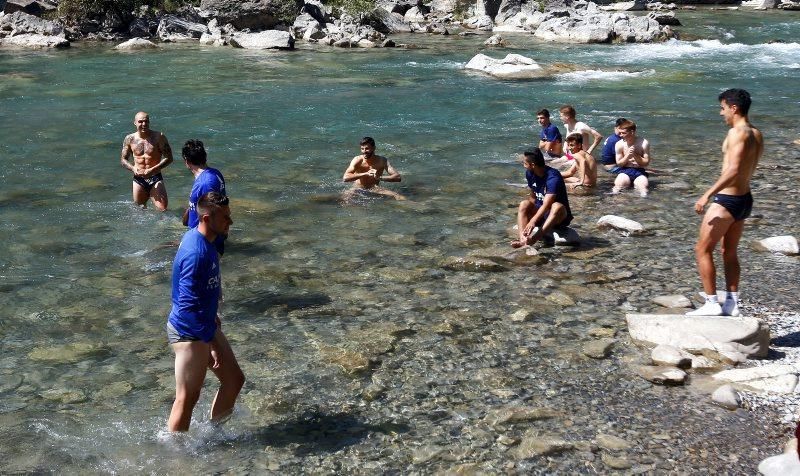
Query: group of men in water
x=194 y=328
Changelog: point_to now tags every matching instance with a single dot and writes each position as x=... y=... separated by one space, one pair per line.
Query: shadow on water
x=315 y=432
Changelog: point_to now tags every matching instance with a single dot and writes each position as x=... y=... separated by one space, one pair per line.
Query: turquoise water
x=86 y=373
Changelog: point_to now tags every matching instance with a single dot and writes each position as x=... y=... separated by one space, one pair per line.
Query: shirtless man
x=583 y=172
x=547 y=207
x=367 y=171
x=633 y=155
x=572 y=125
x=732 y=203
x=550 y=141
x=151 y=153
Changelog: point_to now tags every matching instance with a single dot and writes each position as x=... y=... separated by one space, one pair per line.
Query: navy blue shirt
x=551 y=133
x=551 y=183
x=196 y=287
x=609 y=154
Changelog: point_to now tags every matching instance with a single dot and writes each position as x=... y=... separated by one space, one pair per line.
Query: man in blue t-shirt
x=193 y=326
x=608 y=157
x=547 y=207
x=206 y=179
x=550 y=141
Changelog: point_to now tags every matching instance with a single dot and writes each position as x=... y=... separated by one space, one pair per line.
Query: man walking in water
x=368 y=168
x=206 y=179
x=151 y=153
x=193 y=327
x=732 y=203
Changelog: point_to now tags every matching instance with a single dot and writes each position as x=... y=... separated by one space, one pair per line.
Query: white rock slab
x=673 y=300
x=136 y=44
x=669 y=355
x=755 y=373
x=263 y=40
x=513 y=66
x=786 y=244
x=34 y=40
x=697 y=333
x=786 y=464
x=620 y=223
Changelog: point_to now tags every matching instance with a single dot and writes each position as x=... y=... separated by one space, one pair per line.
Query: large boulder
x=506 y=10
x=31 y=7
x=385 y=22
x=513 y=66
x=136 y=44
x=630 y=6
x=252 y=14
x=478 y=22
x=696 y=334
x=33 y=40
x=270 y=39
x=173 y=28
x=575 y=30
x=635 y=29
x=19 y=23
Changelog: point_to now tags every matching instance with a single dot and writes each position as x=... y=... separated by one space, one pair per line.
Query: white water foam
x=598 y=75
x=777 y=54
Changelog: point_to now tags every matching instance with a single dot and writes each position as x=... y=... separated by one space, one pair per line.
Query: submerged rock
x=513 y=66
x=533 y=445
x=598 y=349
x=472 y=264
x=69 y=353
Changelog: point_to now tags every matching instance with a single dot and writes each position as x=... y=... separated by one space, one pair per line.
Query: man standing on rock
x=731 y=204
x=193 y=327
x=547 y=207
x=368 y=168
x=550 y=140
x=151 y=153
x=206 y=179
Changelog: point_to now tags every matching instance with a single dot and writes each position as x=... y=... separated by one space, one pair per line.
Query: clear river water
x=368 y=346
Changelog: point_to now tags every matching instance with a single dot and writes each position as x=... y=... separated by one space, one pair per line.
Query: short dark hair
x=619 y=121
x=534 y=157
x=576 y=137
x=194 y=152
x=736 y=97
x=367 y=141
x=568 y=110
x=543 y=112
x=627 y=125
x=209 y=203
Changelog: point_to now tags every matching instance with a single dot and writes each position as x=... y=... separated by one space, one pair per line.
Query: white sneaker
x=708 y=309
x=730 y=308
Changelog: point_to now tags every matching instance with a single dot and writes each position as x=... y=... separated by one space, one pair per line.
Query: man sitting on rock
x=583 y=172
x=547 y=207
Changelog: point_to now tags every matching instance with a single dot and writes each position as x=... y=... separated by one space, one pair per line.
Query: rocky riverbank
x=268 y=24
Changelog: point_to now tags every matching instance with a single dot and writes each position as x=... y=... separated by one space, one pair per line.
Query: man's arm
x=126 y=153
x=620 y=149
x=185 y=217
x=571 y=171
x=597 y=139
x=166 y=155
x=350 y=175
x=644 y=160
x=734 y=152
x=394 y=176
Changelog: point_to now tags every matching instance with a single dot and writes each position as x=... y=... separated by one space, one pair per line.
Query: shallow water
x=327 y=304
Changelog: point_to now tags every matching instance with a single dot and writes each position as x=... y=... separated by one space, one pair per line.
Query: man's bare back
x=745 y=144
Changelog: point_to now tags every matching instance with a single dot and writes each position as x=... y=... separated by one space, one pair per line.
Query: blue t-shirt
x=551 y=183
x=196 y=287
x=551 y=133
x=609 y=154
x=209 y=180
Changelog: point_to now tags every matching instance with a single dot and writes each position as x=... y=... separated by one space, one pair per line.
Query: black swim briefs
x=149 y=183
x=739 y=206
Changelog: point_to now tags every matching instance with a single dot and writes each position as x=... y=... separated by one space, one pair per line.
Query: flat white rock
x=620 y=223
x=780 y=244
x=513 y=66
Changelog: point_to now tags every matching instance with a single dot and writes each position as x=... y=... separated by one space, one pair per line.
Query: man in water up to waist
x=367 y=170
x=732 y=202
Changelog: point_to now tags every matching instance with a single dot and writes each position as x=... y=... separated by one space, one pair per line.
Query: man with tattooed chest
x=151 y=153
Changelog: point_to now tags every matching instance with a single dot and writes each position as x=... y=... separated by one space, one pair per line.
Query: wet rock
x=69 y=353
x=113 y=391
x=472 y=264
x=620 y=223
x=662 y=375
x=270 y=39
x=598 y=349
x=718 y=333
x=673 y=300
x=426 y=454
x=669 y=355
x=136 y=44
x=64 y=395
x=560 y=299
x=611 y=442
x=615 y=462
x=495 y=40
x=665 y=18
x=10 y=382
x=510 y=415
x=779 y=244
x=522 y=315
x=513 y=66
x=351 y=362
x=533 y=445
x=727 y=397
x=774 y=378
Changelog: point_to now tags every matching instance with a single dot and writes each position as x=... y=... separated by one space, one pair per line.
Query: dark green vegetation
x=80 y=9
